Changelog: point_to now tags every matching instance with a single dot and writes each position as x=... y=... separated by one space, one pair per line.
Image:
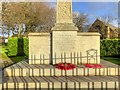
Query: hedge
x=26 y=46
x=109 y=47
x=18 y=46
x=12 y=46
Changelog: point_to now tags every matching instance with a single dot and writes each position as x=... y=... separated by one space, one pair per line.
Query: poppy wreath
x=65 y=66
x=93 y=65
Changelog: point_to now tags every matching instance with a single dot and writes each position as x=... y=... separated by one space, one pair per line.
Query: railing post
x=51 y=49
x=71 y=57
x=61 y=58
x=43 y=59
x=74 y=57
x=96 y=58
x=55 y=58
x=64 y=57
x=34 y=59
x=77 y=58
x=80 y=58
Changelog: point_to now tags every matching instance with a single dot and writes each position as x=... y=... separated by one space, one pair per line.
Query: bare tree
x=80 y=19
x=108 y=18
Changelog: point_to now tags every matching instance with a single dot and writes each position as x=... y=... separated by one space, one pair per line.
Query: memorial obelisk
x=64 y=12
x=64 y=33
x=64 y=16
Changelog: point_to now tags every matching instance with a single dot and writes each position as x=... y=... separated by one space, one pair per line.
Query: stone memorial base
x=81 y=82
x=64 y=46
x=24 y=69
x=23 y=75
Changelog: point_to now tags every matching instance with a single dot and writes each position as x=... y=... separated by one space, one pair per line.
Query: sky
x=96 y=10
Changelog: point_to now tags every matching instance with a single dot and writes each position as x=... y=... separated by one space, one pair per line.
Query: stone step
x=88 y=82
x=24 y=69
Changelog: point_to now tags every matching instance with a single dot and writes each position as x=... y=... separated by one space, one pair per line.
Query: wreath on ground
x=65 y=66
x=93 y=65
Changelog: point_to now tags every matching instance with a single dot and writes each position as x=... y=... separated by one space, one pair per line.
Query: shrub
x=109 y=47
x=18 y=46
x=12 y=46
x=26 y=46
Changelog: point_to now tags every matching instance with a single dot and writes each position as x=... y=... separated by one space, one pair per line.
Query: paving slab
x=89 y=82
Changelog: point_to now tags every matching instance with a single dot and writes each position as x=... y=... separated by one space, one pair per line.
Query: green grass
x=114 y=60
x=4 y=57
x=17 y=58
x=3 y=51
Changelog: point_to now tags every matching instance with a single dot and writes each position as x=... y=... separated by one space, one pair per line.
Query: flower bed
x=65 y=66
x=93 y=65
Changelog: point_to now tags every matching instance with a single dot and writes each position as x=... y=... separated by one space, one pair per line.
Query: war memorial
x=63 y=45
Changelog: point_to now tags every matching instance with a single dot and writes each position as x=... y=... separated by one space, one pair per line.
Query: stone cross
x=64 y=11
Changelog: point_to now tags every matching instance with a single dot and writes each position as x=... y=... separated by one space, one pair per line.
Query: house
x=105 y=29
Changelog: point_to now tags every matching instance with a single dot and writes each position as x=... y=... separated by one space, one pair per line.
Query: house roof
x=107 y=24
x=112 y=27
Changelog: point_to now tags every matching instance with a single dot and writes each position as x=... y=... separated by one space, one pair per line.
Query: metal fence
x=75 y=58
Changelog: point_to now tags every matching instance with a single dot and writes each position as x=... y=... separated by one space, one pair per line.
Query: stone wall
x=39 y=48
x=64 y=46
x=77 y=48
x=89 y=46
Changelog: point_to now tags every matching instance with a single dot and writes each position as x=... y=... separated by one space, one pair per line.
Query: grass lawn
x=114 y=60
x=17 y=58
x=4 y=57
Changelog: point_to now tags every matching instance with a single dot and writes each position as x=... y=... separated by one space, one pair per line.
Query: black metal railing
x=75 y=58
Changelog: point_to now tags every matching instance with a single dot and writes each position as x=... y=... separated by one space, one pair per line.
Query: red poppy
x=65 y=66
x=93 y=65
